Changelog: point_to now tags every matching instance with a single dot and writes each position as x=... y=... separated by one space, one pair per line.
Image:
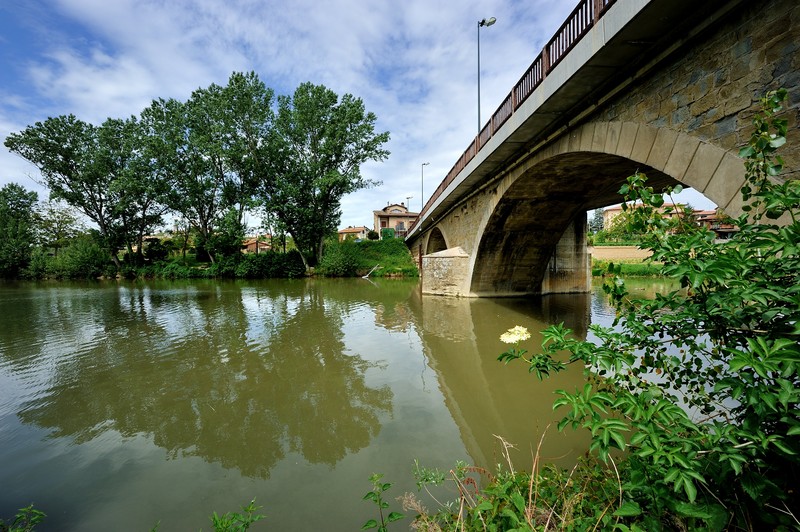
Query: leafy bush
x=84 y=258
x=340 y=259
x=626 y=269
x=700 y=386
x=270 y=264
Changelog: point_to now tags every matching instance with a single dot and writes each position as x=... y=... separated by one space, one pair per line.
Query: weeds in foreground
x=25 y=520
x=585 y=497
x=376 y=496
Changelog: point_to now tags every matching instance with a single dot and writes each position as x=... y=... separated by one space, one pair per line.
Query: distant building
x=721 y=225
x=712 y=220
x=354 y=233
x=609 y=213
x=394 y=216
x=255 y=245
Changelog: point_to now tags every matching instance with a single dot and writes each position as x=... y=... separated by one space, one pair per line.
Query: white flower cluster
x=516 y=335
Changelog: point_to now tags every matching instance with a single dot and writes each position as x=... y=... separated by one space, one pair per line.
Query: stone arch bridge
x=666 y=87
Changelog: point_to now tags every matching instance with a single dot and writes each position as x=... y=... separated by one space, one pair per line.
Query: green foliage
x=347 y=259
x=340 y=259
x=17 y=229
x=58 y=224
x=376 y=496
x=84 y=258
x=626 y=268
x=235 y=521
x=372 y=235
x=270 y=264
x=25 y=520
x=596 y=221
x=317 y=146
x=587 y=497
x=700 y=386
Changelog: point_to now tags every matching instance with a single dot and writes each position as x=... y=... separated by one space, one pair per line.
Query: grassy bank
x=626 y=268
x=389 y=258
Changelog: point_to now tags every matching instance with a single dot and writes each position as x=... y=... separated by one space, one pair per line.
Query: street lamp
x=485 y=22
x=422 y=181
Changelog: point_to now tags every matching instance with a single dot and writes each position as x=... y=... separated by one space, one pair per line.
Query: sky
x=413 y=63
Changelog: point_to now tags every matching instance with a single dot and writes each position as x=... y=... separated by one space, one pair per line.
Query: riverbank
x=630 y=259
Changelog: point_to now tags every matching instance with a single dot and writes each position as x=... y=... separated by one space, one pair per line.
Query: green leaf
x=395 y=516
x=372 y=523
x=628 y=509
x=693 y=510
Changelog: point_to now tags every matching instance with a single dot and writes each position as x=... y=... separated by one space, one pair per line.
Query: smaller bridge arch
x=435 y=242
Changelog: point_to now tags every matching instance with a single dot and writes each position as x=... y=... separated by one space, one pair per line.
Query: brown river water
x=126 y=405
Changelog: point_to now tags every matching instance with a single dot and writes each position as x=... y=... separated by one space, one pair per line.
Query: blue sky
x=414 y=63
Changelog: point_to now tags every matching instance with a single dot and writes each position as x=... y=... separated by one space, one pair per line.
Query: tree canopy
x=17 y=228
x=210 y=160
x=317 y=147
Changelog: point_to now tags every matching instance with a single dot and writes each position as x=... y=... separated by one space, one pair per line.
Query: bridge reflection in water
x=485 y=397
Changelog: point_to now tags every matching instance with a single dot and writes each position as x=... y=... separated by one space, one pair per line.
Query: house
x=256 y=245
x=715 y=221
x=609 y=213
x=353 y=233
x=394 y=216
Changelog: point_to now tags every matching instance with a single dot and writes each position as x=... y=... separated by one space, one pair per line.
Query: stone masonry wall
x=711 y=91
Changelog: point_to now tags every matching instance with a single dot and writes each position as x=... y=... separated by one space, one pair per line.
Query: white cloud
x=413 y=63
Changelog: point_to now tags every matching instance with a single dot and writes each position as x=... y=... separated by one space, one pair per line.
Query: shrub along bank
x=389 y=257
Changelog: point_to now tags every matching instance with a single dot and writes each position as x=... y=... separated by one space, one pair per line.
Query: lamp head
x=487 y=22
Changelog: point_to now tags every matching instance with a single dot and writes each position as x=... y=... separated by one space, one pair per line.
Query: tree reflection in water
x=238 y=378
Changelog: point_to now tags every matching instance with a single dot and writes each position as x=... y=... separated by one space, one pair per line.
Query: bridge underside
x=542 y=215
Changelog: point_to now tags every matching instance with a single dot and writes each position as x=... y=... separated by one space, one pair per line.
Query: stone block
x=681 y=155
x=627 y=138
x=704 y=163
x=645 y=137
x=725 y=184
x=599 y=137
x=662 y=148
x=586 y=136
x=612 y=137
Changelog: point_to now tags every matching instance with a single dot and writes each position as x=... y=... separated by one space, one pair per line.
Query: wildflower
x=515 y=335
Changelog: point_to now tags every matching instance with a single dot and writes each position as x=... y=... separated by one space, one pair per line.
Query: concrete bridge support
x=449 y=272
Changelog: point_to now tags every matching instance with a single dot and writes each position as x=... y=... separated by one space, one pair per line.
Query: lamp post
x=485 y=22
x=422 y=182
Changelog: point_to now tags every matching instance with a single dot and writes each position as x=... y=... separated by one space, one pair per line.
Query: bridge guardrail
x=578 y=23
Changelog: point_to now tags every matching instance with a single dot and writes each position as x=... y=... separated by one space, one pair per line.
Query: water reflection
x=238 y=376
x=488 y=399
x=145 y=397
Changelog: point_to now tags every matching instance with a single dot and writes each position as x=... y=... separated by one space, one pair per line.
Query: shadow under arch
x=436 y=242
x=532 y=215
x=549 y=192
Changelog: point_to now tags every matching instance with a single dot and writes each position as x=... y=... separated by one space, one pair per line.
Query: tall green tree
x=317 y=147
x=230 y=125
x=17 y=227
x=67 y=152
x=596 y=221
x=195 y=190
x=138 y=186
x=58 y=223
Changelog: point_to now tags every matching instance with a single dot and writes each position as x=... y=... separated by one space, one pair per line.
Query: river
x=127 y=405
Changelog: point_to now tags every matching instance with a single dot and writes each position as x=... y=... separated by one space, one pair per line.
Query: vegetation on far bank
x=626 y=268
x=208 y=163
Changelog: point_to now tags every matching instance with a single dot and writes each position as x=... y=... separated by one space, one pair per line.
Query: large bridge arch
x=536 y=212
